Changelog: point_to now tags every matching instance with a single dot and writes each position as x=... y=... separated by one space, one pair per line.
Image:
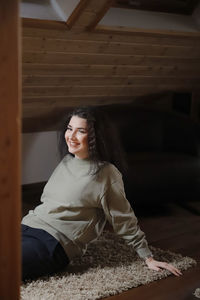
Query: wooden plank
x=45 y=24
x=106 y=80
x=36 y=28
x=42 y=106
x=76 y=13
x=126 y=90
x=85 y=46
x=88 y=14
x=100 y=13
x=109 y=70
x=84 y=21
x=67 y=101
x=129 y=30
x=45 y=113
x=107 y=59
x=88 y=90
x=10 y=212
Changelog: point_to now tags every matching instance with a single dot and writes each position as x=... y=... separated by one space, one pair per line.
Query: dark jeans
x=42 y=254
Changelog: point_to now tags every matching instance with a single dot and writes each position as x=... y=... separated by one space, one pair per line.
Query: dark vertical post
x=10 y=127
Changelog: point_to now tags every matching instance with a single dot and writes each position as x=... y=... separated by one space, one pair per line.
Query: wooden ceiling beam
x=87 y=14
x=79 y=9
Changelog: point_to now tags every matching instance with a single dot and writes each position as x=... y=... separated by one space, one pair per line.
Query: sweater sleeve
x=121 y=216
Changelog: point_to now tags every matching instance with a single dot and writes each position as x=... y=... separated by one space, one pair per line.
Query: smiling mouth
x=73 y=144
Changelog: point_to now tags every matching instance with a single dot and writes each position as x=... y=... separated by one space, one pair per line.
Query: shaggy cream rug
x=109 y=267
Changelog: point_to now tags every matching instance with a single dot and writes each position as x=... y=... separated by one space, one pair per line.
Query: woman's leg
x=41 y=254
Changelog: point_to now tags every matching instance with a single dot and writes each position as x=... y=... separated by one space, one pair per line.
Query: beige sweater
x=76 y=204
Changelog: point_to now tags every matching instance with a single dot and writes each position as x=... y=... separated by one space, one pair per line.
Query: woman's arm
x=124 y=222
x=120 y=215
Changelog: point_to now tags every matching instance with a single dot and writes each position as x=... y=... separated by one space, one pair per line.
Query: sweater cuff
x=144 y=252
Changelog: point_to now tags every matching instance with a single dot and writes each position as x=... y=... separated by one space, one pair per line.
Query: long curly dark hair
x=104 y=144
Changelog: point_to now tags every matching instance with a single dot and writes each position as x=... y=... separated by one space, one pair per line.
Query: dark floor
x=171 y=226
x=176 y=228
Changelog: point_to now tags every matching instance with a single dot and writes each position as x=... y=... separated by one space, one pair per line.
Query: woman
x=84 y=191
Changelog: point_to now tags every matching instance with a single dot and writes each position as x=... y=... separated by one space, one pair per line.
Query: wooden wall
x=73 y=63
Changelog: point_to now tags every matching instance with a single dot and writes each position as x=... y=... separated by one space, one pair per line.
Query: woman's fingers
x=155 y=268
x=157 y=265
x=171 y=268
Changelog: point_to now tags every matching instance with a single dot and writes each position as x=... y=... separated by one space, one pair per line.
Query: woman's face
x=76 y=137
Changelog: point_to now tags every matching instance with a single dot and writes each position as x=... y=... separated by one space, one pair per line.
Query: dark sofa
x=163 y=154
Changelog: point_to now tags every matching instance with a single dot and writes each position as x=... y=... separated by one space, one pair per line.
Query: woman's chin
x=72 y=150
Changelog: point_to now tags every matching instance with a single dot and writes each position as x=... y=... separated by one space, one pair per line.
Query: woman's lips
x=73 y=144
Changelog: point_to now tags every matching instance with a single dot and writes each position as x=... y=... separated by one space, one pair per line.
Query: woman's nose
x=72 y=135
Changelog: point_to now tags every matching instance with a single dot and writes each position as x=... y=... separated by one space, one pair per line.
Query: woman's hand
x=158 y=265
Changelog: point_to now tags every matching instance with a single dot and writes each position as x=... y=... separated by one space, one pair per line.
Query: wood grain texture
x=109 y=70
x=59 y=30
x=60 y=65
x=10 y=120
x=120 y=90
x=87 y=14
x=107 y=59
x=89 y=46
x=76 y=13
x=95 y=80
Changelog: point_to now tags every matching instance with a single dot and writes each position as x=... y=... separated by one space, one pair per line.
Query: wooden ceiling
x=185 y=7
x=79 y=63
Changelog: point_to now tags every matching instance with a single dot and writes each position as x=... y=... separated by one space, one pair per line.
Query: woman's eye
x=82 y=131
x=69 y=128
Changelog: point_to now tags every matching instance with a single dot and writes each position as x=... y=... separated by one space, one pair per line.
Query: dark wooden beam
x=76 y=13
x=10 y=127
x=100 y=14
x=87 y=14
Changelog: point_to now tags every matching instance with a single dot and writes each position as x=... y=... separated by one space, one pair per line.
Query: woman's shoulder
x=111 y=172
x=67 y=158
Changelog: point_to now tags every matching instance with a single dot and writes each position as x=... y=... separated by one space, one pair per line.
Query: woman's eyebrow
x=82 y=128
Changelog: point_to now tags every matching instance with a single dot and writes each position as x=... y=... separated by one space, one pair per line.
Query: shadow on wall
x=163 y=154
